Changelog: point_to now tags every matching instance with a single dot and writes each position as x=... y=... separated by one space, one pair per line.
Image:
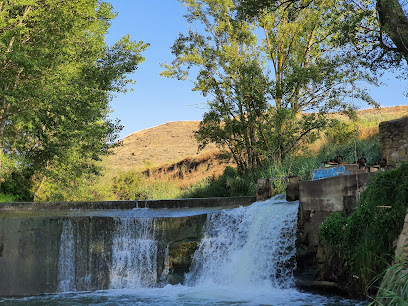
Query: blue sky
x=157 y=100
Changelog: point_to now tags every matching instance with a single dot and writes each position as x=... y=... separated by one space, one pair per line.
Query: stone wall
x=394 y=140
x=317 y=200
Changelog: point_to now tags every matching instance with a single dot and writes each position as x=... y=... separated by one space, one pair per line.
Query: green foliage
x=7 y=198
x=134 y=186
x=262 y=74
x=229 y=184
x=15 y=179
x=58 y=76
x=234 y=183
x=339 y=132
x=368 y=148
x=364 y=240
x=359 y=26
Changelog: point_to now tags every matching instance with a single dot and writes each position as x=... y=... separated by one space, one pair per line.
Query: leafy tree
x=378 y=29
x=57 y=78
x=263 y=75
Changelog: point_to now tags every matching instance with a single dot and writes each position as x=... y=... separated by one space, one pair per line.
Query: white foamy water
x=249 y=246
x=66 y=264
x=134 y=254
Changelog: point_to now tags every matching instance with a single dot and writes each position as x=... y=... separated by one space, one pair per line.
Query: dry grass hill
x=169 y=151
x=153 y=147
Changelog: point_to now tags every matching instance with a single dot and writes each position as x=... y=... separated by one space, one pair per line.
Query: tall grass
x=231 y=183
x=133 y=186
x=393 y=289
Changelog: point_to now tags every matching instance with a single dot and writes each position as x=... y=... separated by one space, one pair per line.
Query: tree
x=378 y=29
x=57 y=78
x=262 y=86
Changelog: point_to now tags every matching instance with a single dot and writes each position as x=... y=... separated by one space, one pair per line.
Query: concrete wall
x=30 y=249
x=394 y=140
x=317 y=200
x=153 y=204
x=31 y=241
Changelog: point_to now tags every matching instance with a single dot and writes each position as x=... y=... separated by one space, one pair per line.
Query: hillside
x=169 y=151
x=164 y=144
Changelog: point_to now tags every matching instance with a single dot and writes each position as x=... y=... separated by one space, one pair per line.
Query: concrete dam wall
x=60 y=247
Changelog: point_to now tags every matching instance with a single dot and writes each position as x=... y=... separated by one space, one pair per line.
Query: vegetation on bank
x=57 y=78
x=361 y=245
x=232 y=183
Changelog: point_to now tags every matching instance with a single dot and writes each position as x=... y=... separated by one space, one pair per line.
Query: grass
x=393 y=289
x=231 y=183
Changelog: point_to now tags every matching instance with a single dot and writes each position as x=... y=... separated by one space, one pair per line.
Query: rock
x=401 y=250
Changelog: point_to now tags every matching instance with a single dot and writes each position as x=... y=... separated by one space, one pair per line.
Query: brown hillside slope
x=153 y=147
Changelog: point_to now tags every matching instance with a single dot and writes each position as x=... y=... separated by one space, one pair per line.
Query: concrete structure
x=265 y=189
x=153 y=204
x=394 y=140
x=32 y=241
x=31 y=248
x=317 y=200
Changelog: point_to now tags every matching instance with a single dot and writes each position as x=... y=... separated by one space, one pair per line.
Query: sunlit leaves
x=57 y=78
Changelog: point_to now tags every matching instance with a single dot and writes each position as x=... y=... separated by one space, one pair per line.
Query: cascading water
x=248 y=246
x=125 y=256
x=66 y=266
x=246 y=256
x=134 y=254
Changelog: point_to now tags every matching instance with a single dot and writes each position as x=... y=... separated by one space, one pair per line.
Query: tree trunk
x=394 y=24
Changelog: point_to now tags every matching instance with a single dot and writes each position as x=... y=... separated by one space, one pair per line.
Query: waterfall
x=134 y=254
x=66 y=264
x=248 y=246
x=107 y=253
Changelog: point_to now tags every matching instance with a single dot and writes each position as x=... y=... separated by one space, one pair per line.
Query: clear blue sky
x=157 y=100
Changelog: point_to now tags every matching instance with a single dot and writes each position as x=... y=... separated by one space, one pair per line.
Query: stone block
x=263 y=190
x=394 y=137
x=327 y=194
x=292 y=191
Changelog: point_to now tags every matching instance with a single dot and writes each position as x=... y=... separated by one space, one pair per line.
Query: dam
x=200 y=255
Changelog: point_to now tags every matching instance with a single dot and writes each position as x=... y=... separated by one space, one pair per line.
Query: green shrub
x=7 y=197
x=364 y=239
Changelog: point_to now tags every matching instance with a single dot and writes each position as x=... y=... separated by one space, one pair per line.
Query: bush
x=364 y=239
x=7 y=197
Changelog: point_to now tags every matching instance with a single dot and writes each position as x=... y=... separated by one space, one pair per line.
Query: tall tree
x=263 y=76
x=378 y=28
x=57 y=78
